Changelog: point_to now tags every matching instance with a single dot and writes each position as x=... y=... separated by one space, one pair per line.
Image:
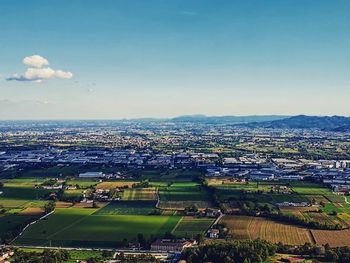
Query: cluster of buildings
x=125 y=158
x=334 y=173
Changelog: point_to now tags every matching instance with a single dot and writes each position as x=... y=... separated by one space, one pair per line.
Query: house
x=214 y=233
x=171 y=245
x=211 y=212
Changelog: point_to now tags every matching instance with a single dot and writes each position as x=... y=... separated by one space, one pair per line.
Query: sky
x=112 y=59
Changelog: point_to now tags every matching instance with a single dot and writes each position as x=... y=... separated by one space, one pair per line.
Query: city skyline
x=87 y=60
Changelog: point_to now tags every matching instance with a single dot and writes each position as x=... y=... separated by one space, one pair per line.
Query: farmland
x=181 y=195
x=116 y=184
x=245 y=227
x=190 y=227
x=333 y=238
x=140 y=194
x=128 y=207
x=83 y=227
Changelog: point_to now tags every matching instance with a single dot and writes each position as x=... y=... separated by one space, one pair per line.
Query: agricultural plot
x=128 y=208
x=345 y=217
x=183 y=192
x=321 y=218
x=140 y=194
x=10 y=222
x=181 y=205
x=169 y=175
x=333 y=238
x=116 y=184
x=307 y=188
x=82 y=183
x=73 y=194
x=190 y=227
x=256 y=192
x=181 y=195
x=339 y=208
x=83 y=227
x=245 y=227
x=22 y=193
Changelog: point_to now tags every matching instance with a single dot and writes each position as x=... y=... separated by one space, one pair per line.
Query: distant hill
x=203 y=119
x=336 y=123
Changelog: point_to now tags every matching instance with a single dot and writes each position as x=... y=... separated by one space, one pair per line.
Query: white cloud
x=63 y=74
x=35 y=61
x=36 y=72
x=39 y=74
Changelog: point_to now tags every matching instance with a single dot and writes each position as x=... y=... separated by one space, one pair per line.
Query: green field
x=80 y=227
x=190 y=227
x=12 y=222
x=140 y=194
x=169 y=175
x=128 y=208
x=184 y=191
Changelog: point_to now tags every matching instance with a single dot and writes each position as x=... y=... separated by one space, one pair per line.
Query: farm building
x=92 y=175
x=171 y=245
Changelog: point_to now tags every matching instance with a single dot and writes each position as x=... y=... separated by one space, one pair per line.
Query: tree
x=49 y=207
x=200 y=238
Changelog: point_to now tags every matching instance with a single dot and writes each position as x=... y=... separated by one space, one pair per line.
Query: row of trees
x=323 y=253
x=248 y=251
x=47 y=256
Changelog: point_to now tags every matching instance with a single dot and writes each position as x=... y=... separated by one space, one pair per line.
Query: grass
x=80 y=227
x=82 y=183
x=116 y=184
x=170 y=175
x=9 y=222
x=128 y=208
x=140 y=194
x=190 y=227
x=183 y=192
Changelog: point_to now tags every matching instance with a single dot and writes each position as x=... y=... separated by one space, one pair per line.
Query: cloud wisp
x=37 y=72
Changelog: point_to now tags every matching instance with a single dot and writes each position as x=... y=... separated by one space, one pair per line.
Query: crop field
x=140 y=194
x=245 y=227
x=73 y=193
x=321 y=218
x=10 y=221
x=345 y=217
x=339 y=208
x=181 y=205
x=169 y=175
x=318 y=199
x=333 y=238
x=116 y=184
x=307 y=188
x=32 y=211
x=81 y=227
x=22 y=193
x=82 y=183
x=254 y=192
x=183 y=192
x=128 y=208
x=189 y=227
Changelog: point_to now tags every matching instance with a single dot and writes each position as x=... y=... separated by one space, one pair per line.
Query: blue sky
x=163 y=58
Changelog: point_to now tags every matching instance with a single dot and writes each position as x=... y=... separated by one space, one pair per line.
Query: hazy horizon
x=79 y=60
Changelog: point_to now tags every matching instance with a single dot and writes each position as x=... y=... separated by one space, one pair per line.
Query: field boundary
x=178 y=223
x=32 y=223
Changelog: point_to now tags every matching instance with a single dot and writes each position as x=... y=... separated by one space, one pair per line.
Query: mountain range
x=328 y=123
